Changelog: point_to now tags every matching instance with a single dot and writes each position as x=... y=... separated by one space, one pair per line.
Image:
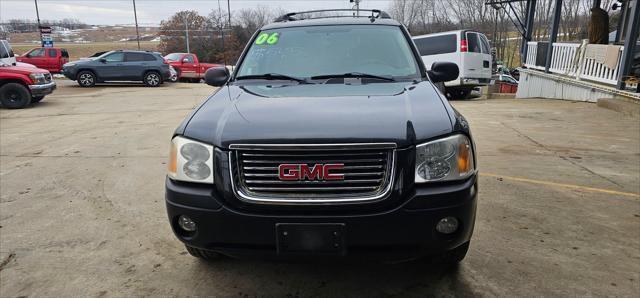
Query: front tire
x=206 y=255
x=86 y=79
x=14 y=96
x=152 y=79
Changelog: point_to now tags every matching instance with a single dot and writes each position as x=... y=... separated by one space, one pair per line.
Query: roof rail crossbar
x=375 y=14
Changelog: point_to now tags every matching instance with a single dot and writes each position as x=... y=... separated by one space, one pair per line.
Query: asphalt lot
x=82 y=206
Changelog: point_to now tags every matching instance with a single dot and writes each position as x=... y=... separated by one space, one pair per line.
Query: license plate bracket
x=314 y=238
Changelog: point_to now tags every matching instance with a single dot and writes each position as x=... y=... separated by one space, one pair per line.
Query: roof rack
x=375 y=14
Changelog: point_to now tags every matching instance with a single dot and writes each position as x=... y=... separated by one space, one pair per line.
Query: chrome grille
x=367 y=172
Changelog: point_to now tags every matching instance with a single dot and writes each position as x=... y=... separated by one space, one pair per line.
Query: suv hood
x=403 y=113
x=25 y=70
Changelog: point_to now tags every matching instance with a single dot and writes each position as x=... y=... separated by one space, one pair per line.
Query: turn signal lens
x=464 y=157
x=173 y=160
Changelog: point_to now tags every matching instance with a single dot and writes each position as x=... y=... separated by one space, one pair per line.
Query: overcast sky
x=100 y=12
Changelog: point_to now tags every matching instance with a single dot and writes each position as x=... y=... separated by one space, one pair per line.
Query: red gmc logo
x=305 y=172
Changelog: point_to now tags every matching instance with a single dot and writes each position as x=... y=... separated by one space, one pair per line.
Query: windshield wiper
x=272 y=76
x=354 y=75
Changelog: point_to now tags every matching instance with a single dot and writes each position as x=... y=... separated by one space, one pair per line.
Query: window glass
x=486 y=49
x=188 y=58
x=436 y=44
x=149 y=57
x=173 y=57
x=329 y=50
x=473 y=43
x=4 y=53
x=65 y=54
x=133 y=57
x=52 y=53
x=37 y=53
x=115 y=57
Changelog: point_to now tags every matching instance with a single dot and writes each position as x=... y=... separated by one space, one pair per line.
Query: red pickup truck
x=50 y=59
x=188 y=67
x=21 y=86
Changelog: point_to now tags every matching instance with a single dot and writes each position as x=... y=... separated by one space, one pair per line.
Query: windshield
x=173 y=57
x=305 y=52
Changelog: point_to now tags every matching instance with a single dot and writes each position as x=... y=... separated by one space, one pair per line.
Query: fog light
x=186 y=223
x=447 y=225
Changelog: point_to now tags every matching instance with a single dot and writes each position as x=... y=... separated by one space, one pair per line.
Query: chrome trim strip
x=312 y=200
x=346 y=146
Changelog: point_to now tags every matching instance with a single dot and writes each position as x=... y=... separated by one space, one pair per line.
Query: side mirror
x=185 y=60
x=216 y=76
x=103 y=60
x=443 y=72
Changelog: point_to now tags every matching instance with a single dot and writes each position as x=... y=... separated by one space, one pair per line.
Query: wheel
x=86 y=78
x=36 y=99
x=175 y=78
x=152 y=79
x=454 y=256
x=14 y=96
x=203 y=254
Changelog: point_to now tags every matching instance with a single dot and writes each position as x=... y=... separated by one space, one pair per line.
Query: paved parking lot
x=82 y=207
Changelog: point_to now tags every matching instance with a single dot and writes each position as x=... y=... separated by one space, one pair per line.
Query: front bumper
x=42 y=90
x=406 y=231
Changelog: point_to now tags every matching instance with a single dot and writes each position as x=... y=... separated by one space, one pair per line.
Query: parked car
x=468 y=49
x=506 y=78
x=325 y=143
x=50 y=59
x=6 y=53
x=188 y=67
x=21 y=86
x=148 y=67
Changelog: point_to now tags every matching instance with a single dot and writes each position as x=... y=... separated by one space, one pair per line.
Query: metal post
x=186 y=31
x=229 y=13
x=620 y=22
x=38 y=17
x=135 y=15
x=554 y=34
x=531 y=10
x=631 y=35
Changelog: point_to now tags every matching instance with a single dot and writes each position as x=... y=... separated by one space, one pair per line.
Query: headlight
x=450 y=158
x=38 y=78
x=191 y=161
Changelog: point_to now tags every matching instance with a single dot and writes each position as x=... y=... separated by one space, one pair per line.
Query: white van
x=468 y=49
x=6 y=53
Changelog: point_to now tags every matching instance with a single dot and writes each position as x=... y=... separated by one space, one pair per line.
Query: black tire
x=14 y=96
x=203 y=254
x=152 y=79
x=454 y=256
x=36 y=99
x=86 y=78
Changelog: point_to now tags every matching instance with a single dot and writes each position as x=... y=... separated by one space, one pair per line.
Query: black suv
x=148 y=67
x=328 y=140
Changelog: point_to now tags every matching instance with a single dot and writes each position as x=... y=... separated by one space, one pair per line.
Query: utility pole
x=186 y=30
x=229 y=13
x=135 y=15
x=357 y=6
x=38 y=17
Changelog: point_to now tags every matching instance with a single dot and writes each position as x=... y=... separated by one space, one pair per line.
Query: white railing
x=569 y=59
x=532 y=53
x=563 y=58
x=599 y=72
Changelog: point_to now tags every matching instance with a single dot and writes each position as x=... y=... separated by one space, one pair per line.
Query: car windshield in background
x=173 y=57
x=305 y=52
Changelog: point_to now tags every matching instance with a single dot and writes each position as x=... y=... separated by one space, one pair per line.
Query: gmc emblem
x=305 y=172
